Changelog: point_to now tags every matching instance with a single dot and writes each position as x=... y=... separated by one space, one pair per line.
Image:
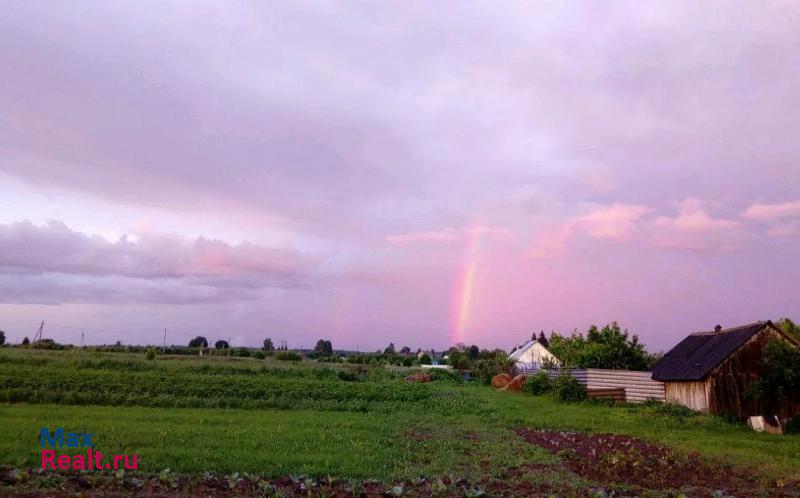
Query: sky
x=397 y=171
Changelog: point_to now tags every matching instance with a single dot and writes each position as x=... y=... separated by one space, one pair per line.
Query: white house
x=532 y=356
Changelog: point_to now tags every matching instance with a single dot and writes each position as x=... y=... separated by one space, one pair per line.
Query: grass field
x=274 y=419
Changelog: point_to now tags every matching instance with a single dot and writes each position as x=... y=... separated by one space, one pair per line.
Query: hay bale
x=501 y=381
x=418 y=377
x=516 y=384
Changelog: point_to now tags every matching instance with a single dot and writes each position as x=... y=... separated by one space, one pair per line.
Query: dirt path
x=612 y=458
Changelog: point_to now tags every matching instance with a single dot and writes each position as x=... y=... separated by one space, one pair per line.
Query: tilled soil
x=613 y=458
x=591 y=465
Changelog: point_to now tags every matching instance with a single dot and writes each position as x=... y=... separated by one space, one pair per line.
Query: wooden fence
x=639 y=386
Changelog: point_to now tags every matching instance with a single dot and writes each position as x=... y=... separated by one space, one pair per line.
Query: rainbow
x=465 y=286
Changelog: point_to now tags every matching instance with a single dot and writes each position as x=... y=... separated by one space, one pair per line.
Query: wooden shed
x=711 y=371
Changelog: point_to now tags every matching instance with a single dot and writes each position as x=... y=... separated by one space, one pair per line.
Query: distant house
x=711 y=371
x=533 y=356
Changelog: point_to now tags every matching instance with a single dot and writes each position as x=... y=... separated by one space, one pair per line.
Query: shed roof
x=699 y=353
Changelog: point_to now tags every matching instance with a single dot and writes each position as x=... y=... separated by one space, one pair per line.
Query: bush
x=437 y=374
x=288 y=356
x=792 y=426
x=241 y=352
x=491 y=364
x=538 y=384
x=568 y=389
x=351 y=376
x=674 y=410
x=259 y=355
x=425 y=359
x=151 y=354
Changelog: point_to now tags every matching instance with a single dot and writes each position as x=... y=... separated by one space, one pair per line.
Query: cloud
x=782 y=219
x=444 y=236
x=693 y=228
x=771 y=212
x=693 y=217
x=202 y=269
x=447 y=236
x=617 y=222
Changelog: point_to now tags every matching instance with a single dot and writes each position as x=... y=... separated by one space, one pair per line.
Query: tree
x=268 y=346
x=543 y=340
x=405 y=350
x=473 y=352
x=459 y=361
x=607 y=348
x=779 y=376
x=323 y=348
x=788 y=326
x=424 y=359
x=26 y=341
x=390 y=349
x=221 y=344
x=198 y=342
x=2 y=337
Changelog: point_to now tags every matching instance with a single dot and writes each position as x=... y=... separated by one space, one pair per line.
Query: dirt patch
x=612 y=458
x=521 y=483
x=419 y=435
x=422 y=378
x=471 y=436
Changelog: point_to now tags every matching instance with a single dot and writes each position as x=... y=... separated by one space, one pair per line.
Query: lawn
x=274 y=419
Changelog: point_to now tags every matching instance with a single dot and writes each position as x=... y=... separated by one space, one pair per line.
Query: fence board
x=639 y=386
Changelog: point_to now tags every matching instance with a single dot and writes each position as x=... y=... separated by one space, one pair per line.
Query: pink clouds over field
x=397 y=173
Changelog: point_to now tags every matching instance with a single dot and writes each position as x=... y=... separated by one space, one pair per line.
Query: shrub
x=674 y=410
x=350 y=376
x=491 y=364
x=425 y=359
x=288 y=356
x=407 y=362
x=259 y=355
x=792 y=426
x=241 y=352
x=539 y=384
x=568 y=389
x=437 y=374
x=151 y=354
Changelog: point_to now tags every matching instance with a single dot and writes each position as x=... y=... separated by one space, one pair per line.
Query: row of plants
x=218 y=386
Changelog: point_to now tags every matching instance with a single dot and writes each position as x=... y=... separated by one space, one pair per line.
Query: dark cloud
x=52 y=262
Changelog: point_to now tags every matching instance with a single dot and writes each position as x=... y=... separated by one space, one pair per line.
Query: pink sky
x=370 y=173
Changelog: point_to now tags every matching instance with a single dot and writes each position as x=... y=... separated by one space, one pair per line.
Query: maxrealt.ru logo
x=92 y=460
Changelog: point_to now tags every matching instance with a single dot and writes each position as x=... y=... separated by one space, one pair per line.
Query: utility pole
x=38 y=335
x=164 y=347
x=81 y=339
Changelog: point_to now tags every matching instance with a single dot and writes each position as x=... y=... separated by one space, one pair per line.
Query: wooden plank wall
x=639 y=386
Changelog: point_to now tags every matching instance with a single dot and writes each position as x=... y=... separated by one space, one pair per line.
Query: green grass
x=378 y=428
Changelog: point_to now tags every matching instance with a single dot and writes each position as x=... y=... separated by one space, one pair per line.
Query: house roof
x=699 y=353
x=518 y=352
